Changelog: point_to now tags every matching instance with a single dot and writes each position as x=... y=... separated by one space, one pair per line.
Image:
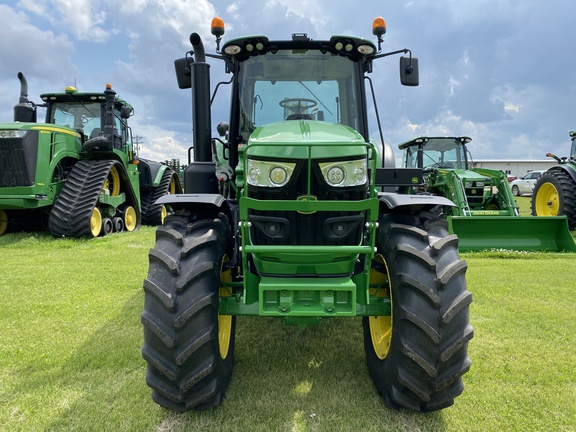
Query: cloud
x=499 y=71
x=43 y=56
x=83 y=19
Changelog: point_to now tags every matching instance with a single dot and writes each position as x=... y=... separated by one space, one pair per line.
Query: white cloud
x=83 y=19
x=495 y=70
x=159 y=144
x=26 y=48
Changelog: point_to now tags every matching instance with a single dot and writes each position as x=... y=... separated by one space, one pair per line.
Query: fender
x=179 y=201
x=150 y=172
x=568 y=168
x=200 y=202
x=413 y=202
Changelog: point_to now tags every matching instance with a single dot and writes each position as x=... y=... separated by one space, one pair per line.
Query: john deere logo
x=307 y=198
x=414 y=180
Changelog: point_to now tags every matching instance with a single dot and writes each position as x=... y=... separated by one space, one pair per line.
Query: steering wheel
x=302 y=105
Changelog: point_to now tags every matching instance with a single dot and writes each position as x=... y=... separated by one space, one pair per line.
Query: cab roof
x=348 y=46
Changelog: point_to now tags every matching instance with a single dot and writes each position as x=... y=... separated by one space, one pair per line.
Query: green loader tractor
x=288 y=214
x=555 y=190
x=76 y=174
x=486 y=214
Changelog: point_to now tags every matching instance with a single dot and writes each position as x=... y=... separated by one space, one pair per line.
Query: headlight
x=268 y=174
x=12 y=133
x=345 y=173
x=474 y=184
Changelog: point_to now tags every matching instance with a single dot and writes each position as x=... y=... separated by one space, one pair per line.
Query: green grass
x=71 y=337
x=524 y=205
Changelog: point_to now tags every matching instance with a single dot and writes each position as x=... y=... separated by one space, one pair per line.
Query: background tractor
x=555 y=191
x=77 y=173
x=485 y=215
x=287 y=214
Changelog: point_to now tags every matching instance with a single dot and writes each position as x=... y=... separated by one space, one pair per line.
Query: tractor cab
x=448 y=171
x=429 y=153
x=298 y=79
x=85 y=112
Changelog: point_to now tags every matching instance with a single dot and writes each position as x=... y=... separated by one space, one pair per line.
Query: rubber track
x=152 y=213
x=70 y=215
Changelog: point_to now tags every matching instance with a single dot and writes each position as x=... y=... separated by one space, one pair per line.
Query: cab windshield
x=84 y=117
x=287 y=85
x=437 y=153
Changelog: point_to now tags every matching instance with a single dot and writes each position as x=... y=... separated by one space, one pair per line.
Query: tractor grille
x=18 y=158
x=475 y=193
x=318 y=228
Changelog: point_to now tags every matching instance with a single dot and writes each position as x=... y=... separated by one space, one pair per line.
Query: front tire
x=555 y=195
x=416 y=357
x=189 y=347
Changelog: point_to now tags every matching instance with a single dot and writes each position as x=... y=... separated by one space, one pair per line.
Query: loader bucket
x=515 y=233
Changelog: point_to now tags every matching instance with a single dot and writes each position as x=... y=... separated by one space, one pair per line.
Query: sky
x=499 y=71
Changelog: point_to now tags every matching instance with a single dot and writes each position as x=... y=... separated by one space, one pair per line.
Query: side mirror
x=409 y=71
x=182 y=67
x=125 y=112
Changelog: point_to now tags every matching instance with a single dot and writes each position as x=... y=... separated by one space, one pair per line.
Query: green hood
x=292 y=138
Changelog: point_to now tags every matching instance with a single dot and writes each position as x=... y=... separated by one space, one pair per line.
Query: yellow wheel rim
x=172 y=187
x=547 y=200
x=112 y=183
x=130 y=218
x=3 y=222
x=224 y=321
x=95 y=222
x=380 y=326
x=163 y=214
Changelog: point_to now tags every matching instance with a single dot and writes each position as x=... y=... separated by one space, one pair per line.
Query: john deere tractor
x=485 y=215
x=555 y=190
x=288 y=214
x=77 y=174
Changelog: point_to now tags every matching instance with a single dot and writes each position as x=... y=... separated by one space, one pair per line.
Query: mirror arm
x=402 y=51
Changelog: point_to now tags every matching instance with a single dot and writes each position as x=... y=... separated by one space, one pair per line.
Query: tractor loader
x=293 y=212
x=485 y=215
x=76 y=174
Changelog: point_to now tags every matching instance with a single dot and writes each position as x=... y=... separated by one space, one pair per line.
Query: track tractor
x=293 y=212
x=485 y=215
x=76 y=174
x=555 y=190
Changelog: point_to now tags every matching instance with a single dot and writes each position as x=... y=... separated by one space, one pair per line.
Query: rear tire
x=555 y=195
x=417 y=357
x=515 y=191
x=188 y=346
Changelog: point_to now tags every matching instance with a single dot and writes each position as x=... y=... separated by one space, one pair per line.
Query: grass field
x=71 y=337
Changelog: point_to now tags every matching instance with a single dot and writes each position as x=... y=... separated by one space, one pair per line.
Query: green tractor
x=485 y=215
x=288 y=214
x=76 y=174
x=555 y=190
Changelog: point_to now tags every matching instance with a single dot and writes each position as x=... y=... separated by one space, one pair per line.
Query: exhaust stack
x=201 y=120
x=24 y=111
